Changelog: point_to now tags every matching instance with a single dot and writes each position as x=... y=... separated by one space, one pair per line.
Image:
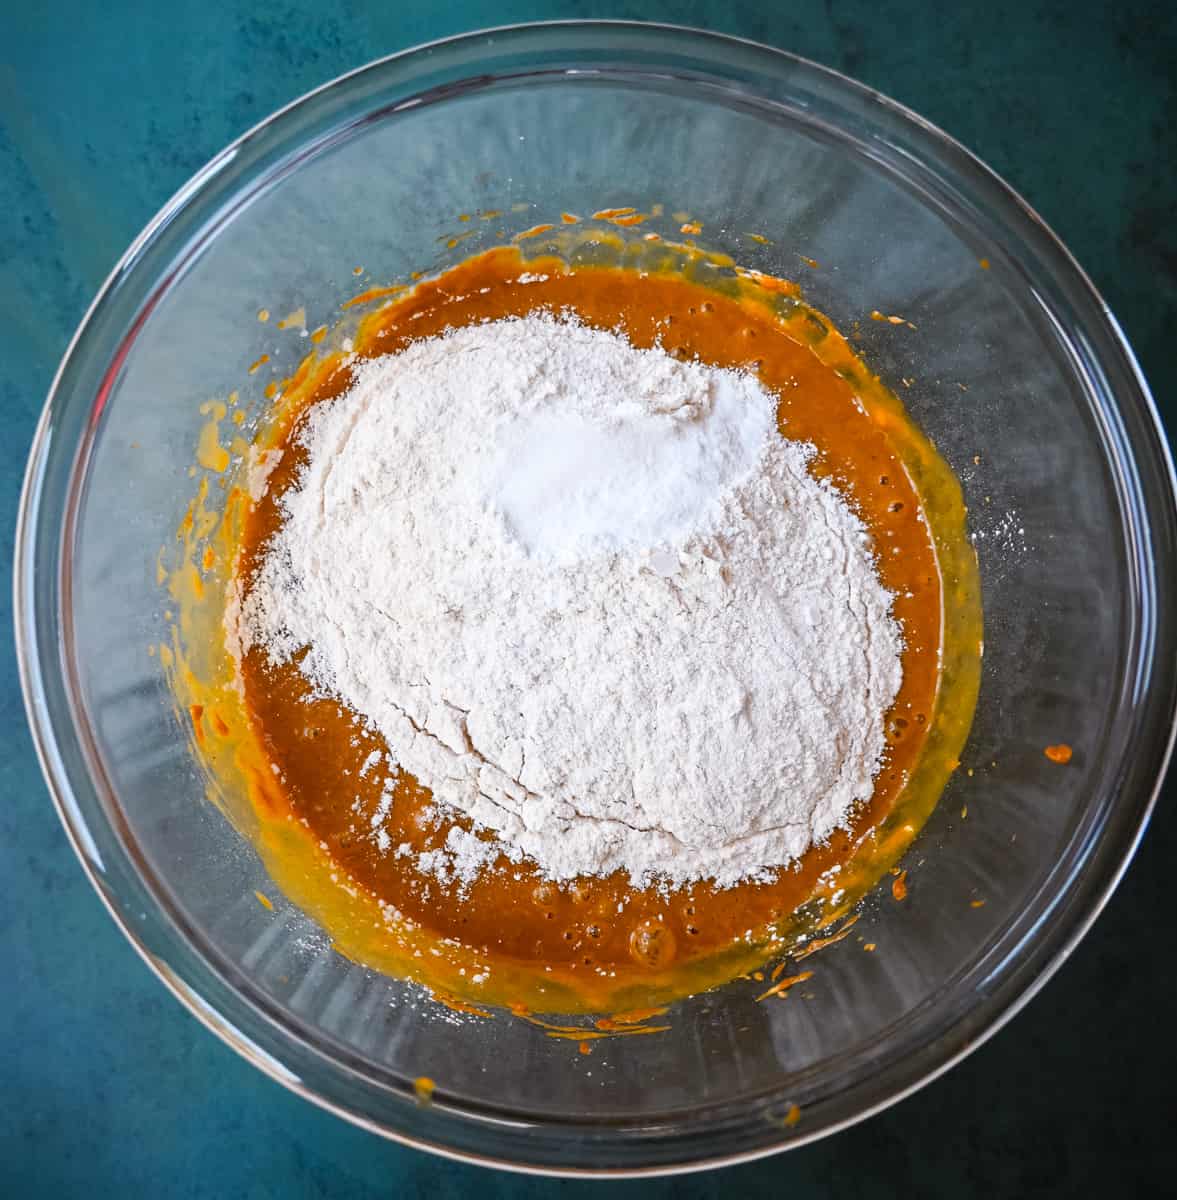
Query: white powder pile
x=591 y=599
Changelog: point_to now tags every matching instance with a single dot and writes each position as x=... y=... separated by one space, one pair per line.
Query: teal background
x=107 y=1087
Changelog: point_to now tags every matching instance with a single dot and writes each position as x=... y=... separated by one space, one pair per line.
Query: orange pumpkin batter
x=320 y=747
x=597 y=943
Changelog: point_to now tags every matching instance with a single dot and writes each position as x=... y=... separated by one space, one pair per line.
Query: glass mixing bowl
x=1015 y=368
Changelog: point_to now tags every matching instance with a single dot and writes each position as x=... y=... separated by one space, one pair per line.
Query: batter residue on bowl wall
x=294 y=769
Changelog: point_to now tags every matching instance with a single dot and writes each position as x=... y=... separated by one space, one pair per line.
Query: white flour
x=591 y=599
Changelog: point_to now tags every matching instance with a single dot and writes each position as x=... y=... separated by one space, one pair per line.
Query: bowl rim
x=45 y=731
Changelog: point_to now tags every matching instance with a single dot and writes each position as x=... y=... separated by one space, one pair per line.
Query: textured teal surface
x=107 y=1087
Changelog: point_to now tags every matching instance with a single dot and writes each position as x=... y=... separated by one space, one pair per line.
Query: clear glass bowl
x=1018 y=372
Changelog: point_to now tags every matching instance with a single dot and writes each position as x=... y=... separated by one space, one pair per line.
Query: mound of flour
x=591 y=599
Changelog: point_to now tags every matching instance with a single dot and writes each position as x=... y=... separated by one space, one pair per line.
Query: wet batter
x=602 y=929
